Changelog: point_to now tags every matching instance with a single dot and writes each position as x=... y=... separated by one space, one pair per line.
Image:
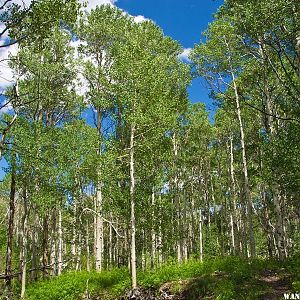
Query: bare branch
x=105 y=220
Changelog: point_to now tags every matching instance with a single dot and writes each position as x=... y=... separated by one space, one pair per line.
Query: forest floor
x=268 y=285
x=223 y=278
x=278 y=283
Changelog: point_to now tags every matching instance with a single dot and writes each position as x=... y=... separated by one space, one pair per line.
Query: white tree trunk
x=245 y=170
x=233 y=213
x=60 y=242
x=78 y=254
x=177 y=202
x=160 y=238
x=132 y=205
x=153 y=235
x=99 y=229
x=200 y=237
x=110 y=243
x=74 y=234
x=34 y=252
x=87 y=241
x=24 y=246
x=99 y=203
x=53 y=238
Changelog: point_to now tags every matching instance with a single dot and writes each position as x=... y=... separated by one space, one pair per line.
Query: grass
x=222 y=278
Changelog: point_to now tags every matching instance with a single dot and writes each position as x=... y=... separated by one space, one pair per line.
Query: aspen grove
x=109 y=165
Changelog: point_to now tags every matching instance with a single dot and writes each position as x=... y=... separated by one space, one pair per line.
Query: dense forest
x=110 y=165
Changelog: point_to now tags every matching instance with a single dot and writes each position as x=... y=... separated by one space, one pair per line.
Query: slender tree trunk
x=74 y=233
x=279 y=226
x=99 y=203
x=45 y=254
x=53 y=243
x=99 y=229
x=110 y=243
x=24 y=244
x=213 y=201
x=243 y=229
x=60 y=241
x=9 y=248
x=34 y=252
x=127 y=251
x=233 y=212
x=132 y=205
x=153 y=235
x=143 y=259
x=116 y=251
x=87 y=241
x=192 y=225
x=245 y=171
x=184 y=229
x=177 y=202
x=266 y=222
x=200 y=236
x=78 y=253
x=160 y=236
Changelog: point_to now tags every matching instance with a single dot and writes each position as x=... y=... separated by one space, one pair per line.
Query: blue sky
x=184 y=21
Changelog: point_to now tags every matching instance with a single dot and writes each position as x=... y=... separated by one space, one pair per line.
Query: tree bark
x=45 y=254
x=74 y=232
x=177 y=202
x=132 y=205
x=153 y=235
x=24 y=244
x=110 y=244
x=60 y=241
x=9 y=248
x=99 y=203
x=87 y=241
x=233 y=214
x=200 y=236
x=247 y=192
x=53 y=243
x=34 y=252
x=279 y=225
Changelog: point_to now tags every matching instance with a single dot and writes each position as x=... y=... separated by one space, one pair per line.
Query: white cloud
x=75 y=44
x=91 y=4
x=6 y=74
x=81 y=85
x=184 y=56
x=139 y=19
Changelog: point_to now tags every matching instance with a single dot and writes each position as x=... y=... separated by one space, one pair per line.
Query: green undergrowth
x=76 y=285
x=222 y=278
